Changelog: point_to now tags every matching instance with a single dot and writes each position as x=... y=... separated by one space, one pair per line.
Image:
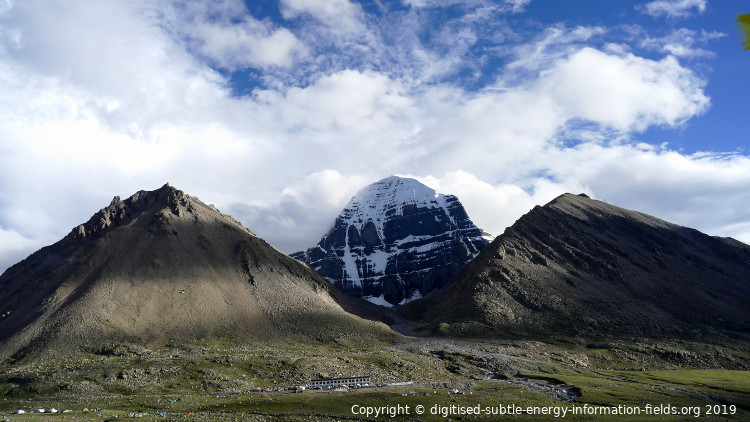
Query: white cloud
x=624 y=92
x=247 y=44
x=555 y=42
x=430 y=3
x=513 y=6
x=499 y=135
x=682 y=189
x=682 y=42
x=673 y=8
x=225 y=34
x=349 y=99
x=494 y=207
x=517 y=6
x=106 y=98
x=701 y=190
x=739 y=231
x=342 y=16
x=304 y=212
x=106 y=62
x=15 y=247
x=97 y=102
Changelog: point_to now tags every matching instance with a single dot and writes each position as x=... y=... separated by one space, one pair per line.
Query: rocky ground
x=195 y=378
x=587 y=268
x=162 y=266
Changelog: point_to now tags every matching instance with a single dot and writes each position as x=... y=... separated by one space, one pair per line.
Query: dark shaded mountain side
x=582 y=266
x=160 y=266
x=396 y=240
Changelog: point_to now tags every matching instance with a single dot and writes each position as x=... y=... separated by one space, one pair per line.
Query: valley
x=161 y=307
x=215 y=380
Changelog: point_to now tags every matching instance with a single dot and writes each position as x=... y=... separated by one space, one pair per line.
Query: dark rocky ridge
x=163 y=265
x=582 y=266
x=395 y=240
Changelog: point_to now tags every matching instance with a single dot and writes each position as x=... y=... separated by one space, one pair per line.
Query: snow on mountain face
x=395 y=241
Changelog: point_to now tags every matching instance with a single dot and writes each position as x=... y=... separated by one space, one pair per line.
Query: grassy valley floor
x=571 y=379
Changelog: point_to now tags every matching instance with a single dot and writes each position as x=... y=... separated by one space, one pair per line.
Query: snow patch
x=378 y=300
x=416 y=295
x=442 y=202
x=411 y=238
x=378 y=261
x=350 y=266
x=392 y=193
x=428 y=247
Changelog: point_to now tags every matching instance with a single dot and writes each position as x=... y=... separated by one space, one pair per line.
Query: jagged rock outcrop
x=582 y=266
x=162 y=265
x=395 y=241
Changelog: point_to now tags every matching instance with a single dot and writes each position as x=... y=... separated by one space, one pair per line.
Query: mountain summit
x=396 y=240
x=163 y=266
x=583 y=266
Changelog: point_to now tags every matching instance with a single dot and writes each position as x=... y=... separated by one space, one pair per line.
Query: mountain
x=578 y=265
x=395 y=241
x=163 y=266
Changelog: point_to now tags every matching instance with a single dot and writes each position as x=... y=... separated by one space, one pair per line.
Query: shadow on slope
x=582 y=267
x=161 y=265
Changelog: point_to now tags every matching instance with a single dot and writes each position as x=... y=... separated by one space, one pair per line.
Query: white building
x=335 y=382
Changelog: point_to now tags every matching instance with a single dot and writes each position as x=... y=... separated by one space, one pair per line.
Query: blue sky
x=722 y=126
x=720 y=62
x=278 y=111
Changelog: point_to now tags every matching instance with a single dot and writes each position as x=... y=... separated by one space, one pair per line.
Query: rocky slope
x=582 y=266
x=395 y=241
x=163 y=266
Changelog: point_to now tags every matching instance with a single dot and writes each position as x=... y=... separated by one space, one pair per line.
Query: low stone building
x=335 y=382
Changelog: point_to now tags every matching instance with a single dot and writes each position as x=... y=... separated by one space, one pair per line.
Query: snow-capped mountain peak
x=387 y=197
x=396 y=240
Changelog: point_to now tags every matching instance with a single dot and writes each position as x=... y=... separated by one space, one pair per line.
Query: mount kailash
x=395 y=241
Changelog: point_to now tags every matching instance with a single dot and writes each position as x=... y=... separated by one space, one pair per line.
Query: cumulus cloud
x=304 y=212
x=701 y=190
x=107 y=98
x=100 y=100
x=504 y=134
x=224 y=33
x=624 y=92
x=345 y=100
x=656 y=180
x=556 y=42
x=105 y=62
x=493 y=207
x=673 y=8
